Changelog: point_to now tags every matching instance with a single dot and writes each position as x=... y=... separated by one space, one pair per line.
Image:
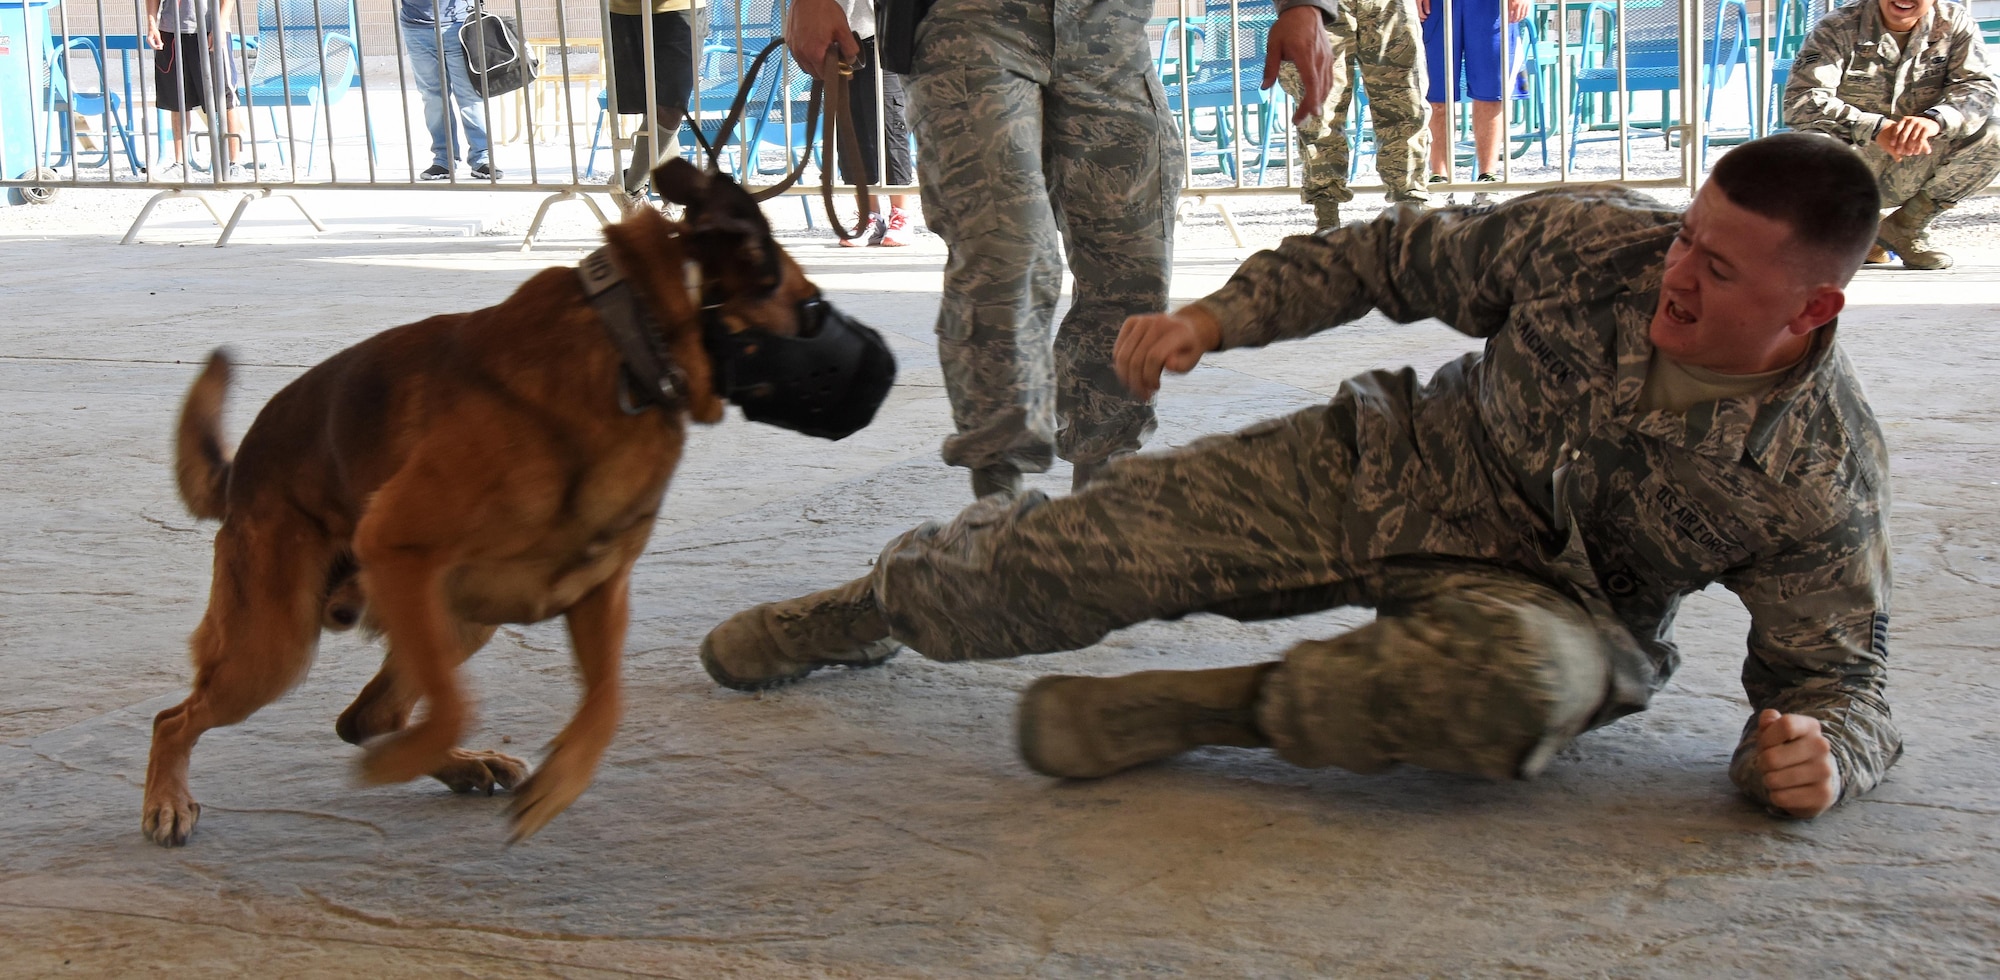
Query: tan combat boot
x=779 y=642
x=1326 y=214
x=1907 y=233
x=997 y=478
x=1086 y=727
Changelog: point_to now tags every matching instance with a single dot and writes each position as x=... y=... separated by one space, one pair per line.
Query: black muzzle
x=826 y=382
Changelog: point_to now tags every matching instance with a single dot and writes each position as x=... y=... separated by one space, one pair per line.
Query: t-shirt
x=860 y=17
x=1675 y=387
x=178 y=16
x=425 y=13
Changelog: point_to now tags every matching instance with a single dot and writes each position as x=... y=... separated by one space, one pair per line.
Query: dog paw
x=545 y=794
x=480 y=772
x=169 y=823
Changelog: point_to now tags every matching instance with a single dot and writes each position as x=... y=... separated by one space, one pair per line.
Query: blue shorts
x=1475 y=42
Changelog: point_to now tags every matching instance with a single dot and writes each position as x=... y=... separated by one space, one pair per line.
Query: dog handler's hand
x=813 y=26
x=1299 y=36
x=1797 y=764
x=1155 y=342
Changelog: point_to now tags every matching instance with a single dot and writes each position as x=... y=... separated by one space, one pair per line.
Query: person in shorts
x=190 y=40
x=1478 y=65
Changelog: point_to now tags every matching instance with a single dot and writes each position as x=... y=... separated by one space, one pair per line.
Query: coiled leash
x=829 y=90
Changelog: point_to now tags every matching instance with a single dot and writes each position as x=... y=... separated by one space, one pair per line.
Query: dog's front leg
x=597 y=633
x=406 y=591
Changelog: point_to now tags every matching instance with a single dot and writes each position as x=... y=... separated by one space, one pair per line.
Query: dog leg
x=384 y=706
x=597 y=635
x=406 y=592
x=254 y=643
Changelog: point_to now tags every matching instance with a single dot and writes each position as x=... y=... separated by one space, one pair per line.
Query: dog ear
x=680 y=182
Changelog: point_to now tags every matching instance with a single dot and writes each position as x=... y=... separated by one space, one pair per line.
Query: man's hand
x=1299 y=36
x=1796 y=763
x=1155 y=342
x=813 y=26
x=153 y=32
x=1423 y=9
x=1909 y=136
x=1517 y=11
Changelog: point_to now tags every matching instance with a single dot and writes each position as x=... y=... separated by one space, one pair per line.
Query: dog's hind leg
x=253 y=644
x=597 y=634
x=384 y=706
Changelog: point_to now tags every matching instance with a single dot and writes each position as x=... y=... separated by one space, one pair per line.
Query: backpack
x=495 y=57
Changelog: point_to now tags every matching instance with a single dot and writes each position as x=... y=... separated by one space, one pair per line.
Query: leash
x=829 y=92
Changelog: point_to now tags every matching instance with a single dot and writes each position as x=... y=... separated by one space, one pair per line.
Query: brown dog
x=474 y=469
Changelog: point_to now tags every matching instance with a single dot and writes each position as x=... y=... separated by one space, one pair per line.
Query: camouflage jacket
x=1851 y=78
x=1533 y=454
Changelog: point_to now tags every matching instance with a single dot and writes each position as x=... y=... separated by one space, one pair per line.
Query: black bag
x=495 y=57
x=896 y=32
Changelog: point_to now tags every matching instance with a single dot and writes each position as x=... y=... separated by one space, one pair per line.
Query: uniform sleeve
x=1819 y=620
x=1970 y=89
x=1461 y=265
x=1812 y=96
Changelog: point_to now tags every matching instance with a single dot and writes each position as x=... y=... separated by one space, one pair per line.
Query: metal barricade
x=328 y=97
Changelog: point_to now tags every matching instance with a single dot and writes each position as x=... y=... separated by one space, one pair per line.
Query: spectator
x=1384 y=37
x=1479 y=69
x=1909 y=84
x=894 y=229
x=191 y=41
x=1042 y=130
x=673 y=80
x=437 y=62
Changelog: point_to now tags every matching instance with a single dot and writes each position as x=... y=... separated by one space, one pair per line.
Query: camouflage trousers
x=1952 y=171
x=1468 y=666
x=1042 y=131
x=1385 y=38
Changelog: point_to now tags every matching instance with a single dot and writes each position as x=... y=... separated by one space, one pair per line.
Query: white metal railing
x=1623 y=90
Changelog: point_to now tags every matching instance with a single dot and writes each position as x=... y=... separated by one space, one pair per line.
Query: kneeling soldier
x=1908 y=83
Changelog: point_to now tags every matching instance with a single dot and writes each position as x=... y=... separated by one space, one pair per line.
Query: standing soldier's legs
x=1389 y=44
x=976 y=106
x=1466 y=669
x=1926 y=185
x=1223 y=522
x=1115 y=172
x=1323 y=149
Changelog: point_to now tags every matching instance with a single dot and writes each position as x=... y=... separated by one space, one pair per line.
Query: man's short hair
x=1817 y=186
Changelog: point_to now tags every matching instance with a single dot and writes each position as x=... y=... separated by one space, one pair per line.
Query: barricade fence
x=330 y=95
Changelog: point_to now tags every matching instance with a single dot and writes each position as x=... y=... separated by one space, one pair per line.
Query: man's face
x=1903 y=15
x=1734 y=297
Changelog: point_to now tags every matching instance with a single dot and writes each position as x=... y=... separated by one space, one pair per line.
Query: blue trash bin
x=24 y=43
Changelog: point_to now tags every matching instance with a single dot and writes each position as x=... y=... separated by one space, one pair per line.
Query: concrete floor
x=878 y=823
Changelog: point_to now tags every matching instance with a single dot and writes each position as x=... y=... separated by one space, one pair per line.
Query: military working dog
x=499 y=466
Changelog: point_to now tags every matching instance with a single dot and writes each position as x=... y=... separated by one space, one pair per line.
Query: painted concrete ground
x=878 y=823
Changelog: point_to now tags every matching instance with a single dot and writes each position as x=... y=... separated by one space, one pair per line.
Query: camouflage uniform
x=1851 y=78
x=1042 y=129
x=1524 y=531
x=1386 y=39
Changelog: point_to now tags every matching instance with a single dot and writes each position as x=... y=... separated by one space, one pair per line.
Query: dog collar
x=649 y=376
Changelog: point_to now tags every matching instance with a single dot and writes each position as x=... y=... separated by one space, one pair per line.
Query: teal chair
x=305 y=55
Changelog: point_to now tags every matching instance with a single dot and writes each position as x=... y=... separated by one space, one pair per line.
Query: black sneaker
x=1485 y=197
x=1449 y=199
x=487 y=171
x=435 y=173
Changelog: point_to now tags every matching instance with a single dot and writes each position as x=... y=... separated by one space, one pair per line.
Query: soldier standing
x=1909 y=83
x=1660 y=404
x=1385 y=38
x=1043 y=132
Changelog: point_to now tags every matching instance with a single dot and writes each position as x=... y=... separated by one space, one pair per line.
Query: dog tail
x=201 y=463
